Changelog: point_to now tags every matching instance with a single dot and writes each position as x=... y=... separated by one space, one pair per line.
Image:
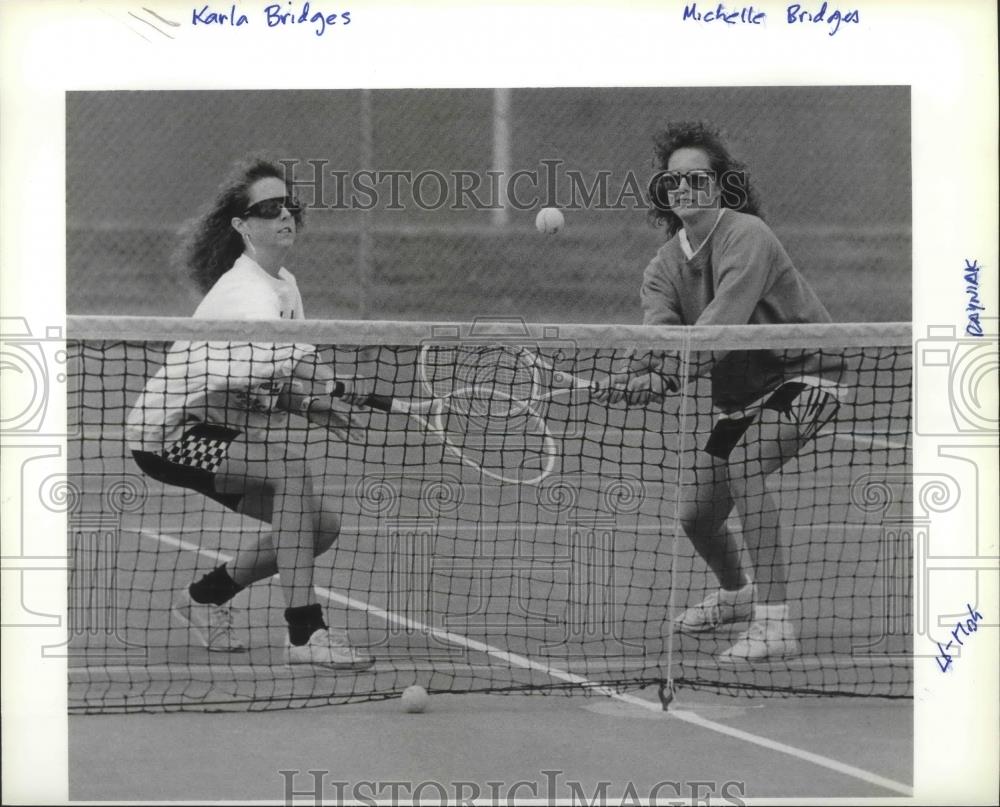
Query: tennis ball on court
x=415 y=699
x=549 y=220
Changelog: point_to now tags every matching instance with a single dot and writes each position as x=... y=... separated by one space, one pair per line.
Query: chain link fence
x=832 y=165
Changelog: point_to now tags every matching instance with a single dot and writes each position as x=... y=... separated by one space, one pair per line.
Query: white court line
x=562 y=675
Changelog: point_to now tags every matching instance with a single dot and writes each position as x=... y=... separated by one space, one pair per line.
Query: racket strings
x=439 y=370
x=485 y=381
x=513 y=445
x=490 y=410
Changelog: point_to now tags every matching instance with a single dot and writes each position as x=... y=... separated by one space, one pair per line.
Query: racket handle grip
x=381 y=402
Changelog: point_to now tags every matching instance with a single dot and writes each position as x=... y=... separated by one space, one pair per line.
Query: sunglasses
x=697 y=180
x=271 y=208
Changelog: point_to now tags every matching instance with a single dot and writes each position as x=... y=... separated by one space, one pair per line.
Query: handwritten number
x=944 y=659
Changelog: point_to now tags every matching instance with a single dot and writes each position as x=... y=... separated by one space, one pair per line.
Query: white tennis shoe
x=764 y=639
x=327 y=648
x=718 y=608
x=213 y=625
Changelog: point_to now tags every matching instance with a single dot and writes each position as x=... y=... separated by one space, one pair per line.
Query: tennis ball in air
x=415 y=699
x=549 y=220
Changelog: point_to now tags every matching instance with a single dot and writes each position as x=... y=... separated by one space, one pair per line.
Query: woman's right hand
x=614 y=390
x=635 y=389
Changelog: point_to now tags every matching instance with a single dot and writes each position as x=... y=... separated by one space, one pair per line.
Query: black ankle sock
x=215 y=588
x=303 y=622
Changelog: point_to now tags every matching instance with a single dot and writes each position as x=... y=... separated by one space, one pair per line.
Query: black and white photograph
x=486 y=441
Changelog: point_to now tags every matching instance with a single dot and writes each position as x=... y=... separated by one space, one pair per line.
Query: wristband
x=670 y=382
x=335 y=389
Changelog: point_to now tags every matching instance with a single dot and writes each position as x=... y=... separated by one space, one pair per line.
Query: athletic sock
x=731 y=595
x=303 y=622
x=215 y=588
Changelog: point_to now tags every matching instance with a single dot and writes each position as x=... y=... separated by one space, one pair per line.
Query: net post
x=364 y=257
x=501 y=151
x=684 y=429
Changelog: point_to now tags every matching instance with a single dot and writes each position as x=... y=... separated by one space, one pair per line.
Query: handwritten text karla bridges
x=273 y=15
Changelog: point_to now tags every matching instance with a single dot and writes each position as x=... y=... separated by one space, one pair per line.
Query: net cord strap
x=684 y=422
x=377 y=332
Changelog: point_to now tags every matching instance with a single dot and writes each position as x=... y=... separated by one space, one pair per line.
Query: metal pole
x=501 y=151
x=365 y=223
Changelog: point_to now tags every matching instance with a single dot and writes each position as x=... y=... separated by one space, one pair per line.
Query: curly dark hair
x=738 y=192
x=209 y=245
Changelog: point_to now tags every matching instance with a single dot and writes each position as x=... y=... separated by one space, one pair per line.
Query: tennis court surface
x=502 y=533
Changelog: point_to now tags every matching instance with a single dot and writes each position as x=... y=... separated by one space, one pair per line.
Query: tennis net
x=502 y=528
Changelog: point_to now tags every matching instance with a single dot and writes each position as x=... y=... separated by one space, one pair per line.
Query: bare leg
x=758 y=511
x=257 y=560
x=281 y=485
x=767 y=445
x=703 y=514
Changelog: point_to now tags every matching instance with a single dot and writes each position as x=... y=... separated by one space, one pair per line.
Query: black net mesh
x=542 y=544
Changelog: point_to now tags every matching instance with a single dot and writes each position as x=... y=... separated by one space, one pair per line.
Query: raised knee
x=692 y=525
x=696 y=522
x=695 y=528
x=327 y=532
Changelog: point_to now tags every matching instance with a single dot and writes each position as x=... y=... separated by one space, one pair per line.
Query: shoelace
x=222 y=617
x=335 y=639
x=712 y=610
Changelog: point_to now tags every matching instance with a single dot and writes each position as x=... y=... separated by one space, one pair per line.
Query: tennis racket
x=517 y=374
x=484 y=407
